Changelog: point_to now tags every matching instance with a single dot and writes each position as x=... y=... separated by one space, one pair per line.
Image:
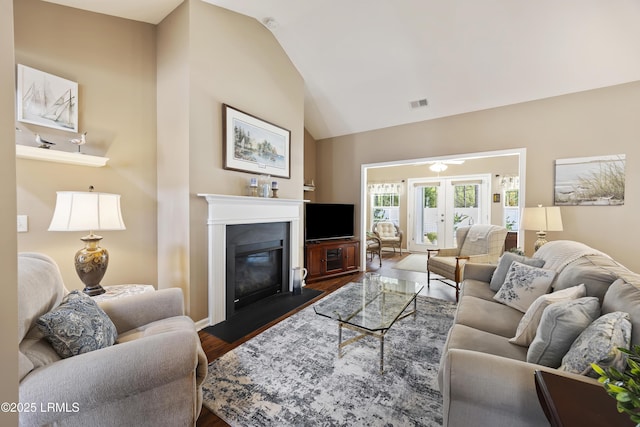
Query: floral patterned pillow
x=78 y=325
x=599 y=344
x=523 y=284
x=505 y=261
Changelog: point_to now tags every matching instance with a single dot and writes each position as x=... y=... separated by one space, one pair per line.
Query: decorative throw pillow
x=560 y=325
x=599 y=344
x=500 y=273
x=523 y=285
x=77 y=326
x=529 y=323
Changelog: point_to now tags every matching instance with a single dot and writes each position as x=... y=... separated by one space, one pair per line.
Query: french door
x=437 y=207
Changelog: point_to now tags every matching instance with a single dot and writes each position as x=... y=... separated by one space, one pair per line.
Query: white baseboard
x=201 y=324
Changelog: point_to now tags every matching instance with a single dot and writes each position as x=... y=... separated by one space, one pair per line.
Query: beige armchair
x=478 y=243
x=389 y=234
x=151 y=376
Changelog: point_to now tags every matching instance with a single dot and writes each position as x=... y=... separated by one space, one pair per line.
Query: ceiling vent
x=420 y=103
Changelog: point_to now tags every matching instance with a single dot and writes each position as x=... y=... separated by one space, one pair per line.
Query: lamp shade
x=86 y=211
x=542 y=218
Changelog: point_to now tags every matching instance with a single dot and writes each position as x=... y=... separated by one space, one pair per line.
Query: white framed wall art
x=46 y=100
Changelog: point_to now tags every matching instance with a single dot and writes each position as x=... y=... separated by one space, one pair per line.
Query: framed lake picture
x=46 y=100
x=590 y=181
x=254 y=145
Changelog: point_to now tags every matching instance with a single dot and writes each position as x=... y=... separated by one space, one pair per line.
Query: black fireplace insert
x=257 y=264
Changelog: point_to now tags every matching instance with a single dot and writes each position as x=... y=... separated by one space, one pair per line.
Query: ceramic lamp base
x=541 y=240
x=91 y=264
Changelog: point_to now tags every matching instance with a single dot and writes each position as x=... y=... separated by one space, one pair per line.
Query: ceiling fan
x=441 y=165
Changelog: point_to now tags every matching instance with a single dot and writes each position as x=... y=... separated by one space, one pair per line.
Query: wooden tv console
x=330 y=258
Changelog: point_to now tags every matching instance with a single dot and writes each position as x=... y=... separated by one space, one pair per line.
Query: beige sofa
x=484 y=379
x=151 y=376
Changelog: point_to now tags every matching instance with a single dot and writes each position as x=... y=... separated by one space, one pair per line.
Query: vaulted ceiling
x=364 y=62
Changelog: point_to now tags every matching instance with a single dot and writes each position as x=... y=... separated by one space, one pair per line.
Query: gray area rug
x=290 y=375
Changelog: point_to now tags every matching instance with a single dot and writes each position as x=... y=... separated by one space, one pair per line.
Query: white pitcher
x=298 y=274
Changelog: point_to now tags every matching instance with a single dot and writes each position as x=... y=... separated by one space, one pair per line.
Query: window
x=385 y=202
x=511 y=210
x=466 y=196
x=385 y=207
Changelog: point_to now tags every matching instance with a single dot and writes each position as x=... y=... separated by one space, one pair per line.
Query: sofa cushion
x=176 y=323
x=504 y=263
x=560 y=325
x=77 y=326
x=529 y=323
x=599 y=344
x=37 y=349
x=488 y=316
x=595 y=271
x=466 y=338
x=523 y=284
x=24 y=365
x=478 y=289
x=40 y=289
x=625 y=297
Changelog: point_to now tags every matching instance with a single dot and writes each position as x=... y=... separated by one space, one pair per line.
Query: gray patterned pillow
x=599 y=344
x=523 y=285
x=504 y=263
x=560 y=325
x=77 y=326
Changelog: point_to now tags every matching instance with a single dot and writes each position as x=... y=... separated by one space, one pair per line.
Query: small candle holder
x=253 y=187
x=274 y=189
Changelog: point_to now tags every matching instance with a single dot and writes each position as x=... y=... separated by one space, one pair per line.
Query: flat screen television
x=324 y=221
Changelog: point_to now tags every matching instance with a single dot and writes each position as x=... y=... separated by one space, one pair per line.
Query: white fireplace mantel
x=226 y=210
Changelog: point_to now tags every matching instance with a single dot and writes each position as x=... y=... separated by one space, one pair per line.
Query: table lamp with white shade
x=88 y=211
x=542 y=219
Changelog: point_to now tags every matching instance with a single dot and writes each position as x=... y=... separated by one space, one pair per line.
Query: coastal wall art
x=590 y=181
x=254 y=145
x=46 y=100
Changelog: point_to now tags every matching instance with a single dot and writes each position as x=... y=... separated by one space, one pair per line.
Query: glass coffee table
x=370 y=307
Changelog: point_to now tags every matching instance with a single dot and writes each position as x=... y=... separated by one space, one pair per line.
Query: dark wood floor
x=215 y=347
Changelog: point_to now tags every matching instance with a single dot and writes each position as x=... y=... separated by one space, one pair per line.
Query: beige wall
x=9 y=310
x=596 y=122
x=173 y=150
x=231 y=59
x=113 y=60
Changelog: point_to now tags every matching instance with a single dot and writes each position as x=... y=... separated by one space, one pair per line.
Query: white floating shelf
x=309 y=188
x=49 y=155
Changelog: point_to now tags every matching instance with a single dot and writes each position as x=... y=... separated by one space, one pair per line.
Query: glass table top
x=373 y=304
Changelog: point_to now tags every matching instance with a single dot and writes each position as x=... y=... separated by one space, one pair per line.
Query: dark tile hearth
x=258 y=314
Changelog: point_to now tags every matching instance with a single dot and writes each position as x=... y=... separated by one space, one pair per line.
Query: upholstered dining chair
x=478 y=243
x=389 y=234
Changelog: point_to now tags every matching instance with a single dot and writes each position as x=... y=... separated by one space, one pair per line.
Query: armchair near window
x=478 y=243
x=151 y=376
x=389 y=234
